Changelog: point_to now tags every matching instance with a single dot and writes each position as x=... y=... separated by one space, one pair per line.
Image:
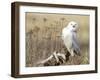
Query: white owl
x=69 y=36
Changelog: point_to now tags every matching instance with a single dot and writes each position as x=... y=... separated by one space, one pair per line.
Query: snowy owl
x=69 y=36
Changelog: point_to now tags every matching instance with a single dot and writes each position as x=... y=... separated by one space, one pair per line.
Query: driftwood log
x=55 y=59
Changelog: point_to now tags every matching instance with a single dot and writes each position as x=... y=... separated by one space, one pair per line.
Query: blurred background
x=43 y=36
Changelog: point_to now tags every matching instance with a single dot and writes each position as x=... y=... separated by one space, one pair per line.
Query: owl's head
x=73 y=26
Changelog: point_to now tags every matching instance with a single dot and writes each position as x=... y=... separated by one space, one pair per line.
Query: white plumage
x=69 y=36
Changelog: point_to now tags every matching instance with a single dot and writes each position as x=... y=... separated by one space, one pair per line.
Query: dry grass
x=43 y=37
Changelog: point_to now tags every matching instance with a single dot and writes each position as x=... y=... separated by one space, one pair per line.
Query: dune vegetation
x=43 y=37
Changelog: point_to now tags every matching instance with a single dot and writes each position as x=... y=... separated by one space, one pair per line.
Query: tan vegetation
x=43 y=37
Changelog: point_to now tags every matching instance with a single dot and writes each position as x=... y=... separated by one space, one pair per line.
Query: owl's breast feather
x=66 y=32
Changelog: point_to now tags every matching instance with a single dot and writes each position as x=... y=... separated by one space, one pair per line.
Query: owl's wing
x=75 y=43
